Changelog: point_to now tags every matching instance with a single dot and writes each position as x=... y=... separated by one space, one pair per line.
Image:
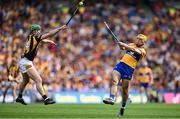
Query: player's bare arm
x=127 y=47
x=48 y=41
x=52 y=32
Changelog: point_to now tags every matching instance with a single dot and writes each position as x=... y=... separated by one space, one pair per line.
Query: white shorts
x=25 y=64
x=11 y=83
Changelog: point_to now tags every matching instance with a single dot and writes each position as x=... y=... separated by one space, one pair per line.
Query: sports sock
x=44 y=97
x=20 y=96
x=112 y=96
x=123 y=105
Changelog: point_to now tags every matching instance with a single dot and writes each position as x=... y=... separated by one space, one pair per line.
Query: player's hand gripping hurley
x=121 y=44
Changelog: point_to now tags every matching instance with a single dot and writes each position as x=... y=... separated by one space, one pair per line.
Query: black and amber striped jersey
x=13 y=70
x=31 y=46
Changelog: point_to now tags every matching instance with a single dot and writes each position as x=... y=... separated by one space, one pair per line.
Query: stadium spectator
x=84 y=56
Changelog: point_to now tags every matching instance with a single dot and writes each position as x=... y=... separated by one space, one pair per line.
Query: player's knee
x=125 y=92
x=38 y=81
x=114 y=81
x=141 y=90
x=125 y=87
x=115 y=77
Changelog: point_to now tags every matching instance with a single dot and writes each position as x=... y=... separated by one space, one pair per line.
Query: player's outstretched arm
x=127 y=47
x=48 y=41
x=52 y=32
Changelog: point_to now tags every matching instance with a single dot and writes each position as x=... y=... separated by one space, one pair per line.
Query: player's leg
x=118 y=91
x=125 y=95
x=14 y=91
x=113 y=88
x=114 y=84
x=23 y=83
x=34 y=75
x=129 y=99
x=125 y=92
x=5 y=93
x=141 y=93
x=147 y=92
x=22 y=87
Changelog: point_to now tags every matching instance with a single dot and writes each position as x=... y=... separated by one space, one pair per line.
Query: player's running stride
x=124 y=70
x=27 y=68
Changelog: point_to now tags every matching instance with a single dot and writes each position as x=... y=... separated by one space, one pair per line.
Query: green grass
x=89 y=111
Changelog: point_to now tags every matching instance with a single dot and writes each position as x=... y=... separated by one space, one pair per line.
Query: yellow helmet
x=142 y=37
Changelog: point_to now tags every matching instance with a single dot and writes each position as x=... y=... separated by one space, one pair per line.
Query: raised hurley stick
x=74 y=13
x=110 y=31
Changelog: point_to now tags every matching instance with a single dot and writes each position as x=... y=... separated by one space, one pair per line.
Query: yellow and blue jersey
x=132 y=58
x=129 y=62
x=13 y=70
x=143 y=74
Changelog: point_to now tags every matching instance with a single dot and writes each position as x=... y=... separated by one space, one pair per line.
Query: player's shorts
x=11 y=83
x=144 y=85
x=3 y=83
x=25 y=64
x=125 y=70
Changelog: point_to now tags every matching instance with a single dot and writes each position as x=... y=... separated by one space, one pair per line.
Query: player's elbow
x=45 y=36
x=122 y=48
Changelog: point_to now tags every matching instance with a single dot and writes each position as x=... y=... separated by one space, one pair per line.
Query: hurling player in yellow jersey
x=27 y=68
x=145 y=77
x=124 y=70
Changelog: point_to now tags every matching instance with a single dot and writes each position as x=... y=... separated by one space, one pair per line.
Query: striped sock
x=20 y=96
x=123 y=105
x=44 y=97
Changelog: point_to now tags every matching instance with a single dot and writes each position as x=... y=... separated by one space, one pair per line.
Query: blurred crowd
x=85 y=53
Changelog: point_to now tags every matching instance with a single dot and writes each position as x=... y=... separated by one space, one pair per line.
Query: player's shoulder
x=11 y=66
x=36 y=36
x=17 y=67
x=142 y=49
x=149 y=68
x=29 y=35
x=140 y=69
x=131 y=44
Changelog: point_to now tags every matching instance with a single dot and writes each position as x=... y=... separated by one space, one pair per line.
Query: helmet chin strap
x=139 y=45
x=37 y=32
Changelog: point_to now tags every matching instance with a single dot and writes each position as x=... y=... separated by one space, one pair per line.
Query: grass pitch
x=89 y=111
